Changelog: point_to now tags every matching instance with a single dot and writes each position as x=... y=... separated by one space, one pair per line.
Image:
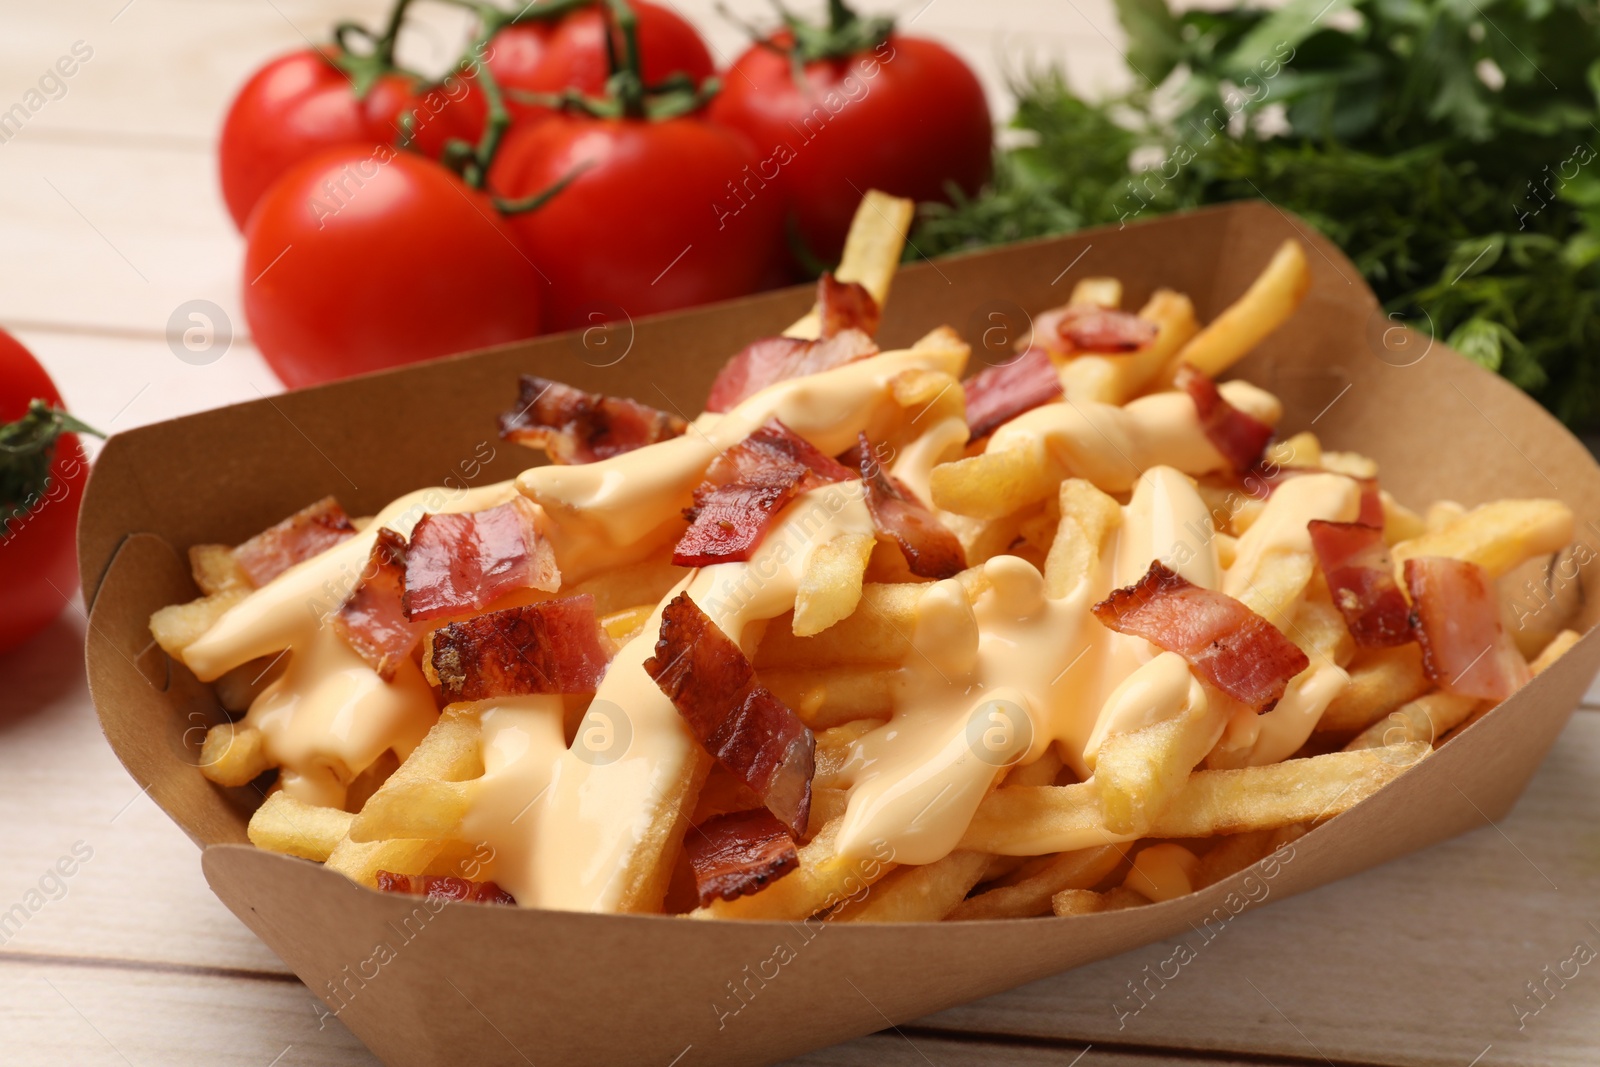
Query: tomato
x=299 y=104
x=38 y=554
x=570 y=52
x=361 y=258
x=906 y=117
x=649 y=220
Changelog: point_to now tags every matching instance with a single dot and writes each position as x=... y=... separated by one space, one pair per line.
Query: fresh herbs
x=1451 y=147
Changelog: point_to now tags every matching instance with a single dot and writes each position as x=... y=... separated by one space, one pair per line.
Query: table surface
x=112 y=220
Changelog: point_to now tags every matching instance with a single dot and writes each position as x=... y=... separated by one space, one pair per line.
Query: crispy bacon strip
x=1360 y=575
x=1241 y=438
x=573 y=426
x=776 y=359
x=553 y=646
x=1226 y=643
x=750 y=731
x=309 y=531
x=444 y=887
x=464 y=562
x=739 y=853
x=1371 y=513
x=1105 y=331
x=998 y=394
x=372 y=619
x=845 y=306
x=1456 y=615
x=744 y=490
x=930 y=549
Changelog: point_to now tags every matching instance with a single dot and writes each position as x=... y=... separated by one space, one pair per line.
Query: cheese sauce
x=993 y=681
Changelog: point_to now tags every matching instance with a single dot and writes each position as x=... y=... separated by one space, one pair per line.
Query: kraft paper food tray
x=480 y=985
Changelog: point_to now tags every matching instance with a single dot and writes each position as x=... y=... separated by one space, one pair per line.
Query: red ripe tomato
x=360 y=259
x=648 y=221
x=38 y=554
x=302 y=103
x=905 y=117
x=570 y=52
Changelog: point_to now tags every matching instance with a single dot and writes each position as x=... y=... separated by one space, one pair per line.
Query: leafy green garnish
x=1450 y=147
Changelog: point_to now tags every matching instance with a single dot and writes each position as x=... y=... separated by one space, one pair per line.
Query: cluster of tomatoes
x=583 y=162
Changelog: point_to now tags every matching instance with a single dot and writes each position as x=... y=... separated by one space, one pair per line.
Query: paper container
x=482 y=985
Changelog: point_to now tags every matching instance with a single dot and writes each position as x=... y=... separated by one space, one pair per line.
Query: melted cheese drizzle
x=992 y=681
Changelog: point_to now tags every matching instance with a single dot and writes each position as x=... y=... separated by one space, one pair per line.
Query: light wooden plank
x=140 y=894
x=113 y=1017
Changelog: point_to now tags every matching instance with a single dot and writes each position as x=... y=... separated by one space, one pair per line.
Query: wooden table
x=112 y=220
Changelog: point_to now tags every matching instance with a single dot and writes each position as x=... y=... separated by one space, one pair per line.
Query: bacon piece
x=1241 y=438
x=998 y=394
x=1360 y=575
x=444 y=887
x=1105 y=331
x=739 y=853
x=775 y=359
x=372 y=619
x=930 y=549
x=1456 y=616
x=309 y=531
x=553 y=646
x=463 y=562
x=744 y=490
x=1226 y=643
x=845 y=306
x=573 y=426
x=750 y=731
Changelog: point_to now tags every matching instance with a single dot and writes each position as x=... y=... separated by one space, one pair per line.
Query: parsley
x=1450 y=147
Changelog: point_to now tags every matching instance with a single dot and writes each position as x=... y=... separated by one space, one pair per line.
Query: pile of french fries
x=1164 y=811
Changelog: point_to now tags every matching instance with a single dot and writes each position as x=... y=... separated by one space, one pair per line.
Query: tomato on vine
x=854 y=105
x=555 y=54
x=636 y=187
x=313 y=99
x=42 y=474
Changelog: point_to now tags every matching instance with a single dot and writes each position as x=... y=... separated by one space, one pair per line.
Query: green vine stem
x=27 y=448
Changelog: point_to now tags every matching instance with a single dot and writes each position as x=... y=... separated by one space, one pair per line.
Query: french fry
x=1097 y=292
x=363 y=785
x=233 y=754
x=620 y=588
x=1163 y=872
x=1301 y=450
x=1031 y=896
x=428 y=795
x=830 y=586
x=991 y=485
x=1497 y=536
x=1381 y=679
x=832 y=696
x=295 y=828
x=1088 y=902
x=361 y=861
x=1087 y=515
x=1032 y=820
x=1232 y=854
x=1266 y=305
x=1427 y=719
x=878 y=631
x=823 y=881
x=216 y=569
x=1139 y=772
x=177 y=626
x=1559 y=645
x=871 y=251
x=1319 y=629
x=919 y=894
x=1400 y=523
x=1352 y=463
